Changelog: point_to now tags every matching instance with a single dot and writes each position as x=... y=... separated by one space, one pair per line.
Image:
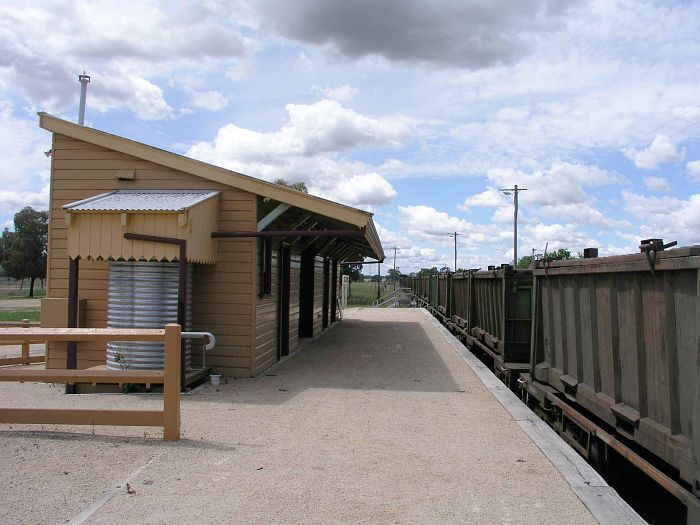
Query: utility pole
x=454 y=235
x=514 y=192
x=394 y=268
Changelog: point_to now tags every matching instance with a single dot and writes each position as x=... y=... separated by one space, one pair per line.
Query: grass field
x=18 y=315
x=362 y=294
x=10 y=289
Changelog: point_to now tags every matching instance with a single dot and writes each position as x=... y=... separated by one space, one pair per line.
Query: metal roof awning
x=142 y=200
x=96 y=225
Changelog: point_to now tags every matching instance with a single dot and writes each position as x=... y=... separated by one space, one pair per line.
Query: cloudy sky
x=417 y=111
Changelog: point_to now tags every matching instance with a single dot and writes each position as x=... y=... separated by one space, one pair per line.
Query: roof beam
x=328 y=247
x=313 y=225
x=288 y=233
x=310 y=242
x=272 y=216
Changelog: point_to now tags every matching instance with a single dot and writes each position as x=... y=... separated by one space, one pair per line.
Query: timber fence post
x=25 y=344
x=171 y=383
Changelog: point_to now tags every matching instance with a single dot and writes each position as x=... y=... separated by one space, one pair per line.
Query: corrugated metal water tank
x=143 y=295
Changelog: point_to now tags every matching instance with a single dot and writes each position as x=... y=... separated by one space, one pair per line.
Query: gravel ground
x=377 y=421
x=16 y=350
x=19 y=304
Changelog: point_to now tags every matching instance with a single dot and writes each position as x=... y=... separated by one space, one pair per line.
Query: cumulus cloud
x=490 y=198
x=307 y=147
x=667 y=217
x=426 y=220
x=512 y=113
x=311 y=129
x=444 y=33
x=656 y=184
x=145 y=99
x=585 y=98
x=11 y=201
x=693 y=169
x=555 y=236
x=581 y=214
x=484 y=244
x=211 y=100
x=563 y=182
x=434 y=226
x=660 y=151
x=126 y=55
x=367 y=189
x=24 y=169
x=558 y=193
x=409 y=255
x=343 y=94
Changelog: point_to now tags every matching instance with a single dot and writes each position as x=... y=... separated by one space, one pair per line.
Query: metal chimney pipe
x=84 y=81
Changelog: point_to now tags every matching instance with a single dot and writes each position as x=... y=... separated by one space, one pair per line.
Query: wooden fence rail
x=25 y=358
x=168 y=418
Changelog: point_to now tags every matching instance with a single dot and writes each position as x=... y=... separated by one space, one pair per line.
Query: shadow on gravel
x=354 y=355
x=152 y=440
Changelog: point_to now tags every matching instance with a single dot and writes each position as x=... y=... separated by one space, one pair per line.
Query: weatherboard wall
x=267 y=310
x=223 y=293
x=266 y=318
x=318 y=295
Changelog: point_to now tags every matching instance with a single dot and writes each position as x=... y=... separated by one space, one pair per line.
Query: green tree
x=393 y=276
x=424 y=272
x=299 y=186
x=354 y=271
x=23 y=251
x=557 y=255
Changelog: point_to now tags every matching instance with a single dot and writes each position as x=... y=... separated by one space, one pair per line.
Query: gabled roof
x=317 y=205
x=142 y=200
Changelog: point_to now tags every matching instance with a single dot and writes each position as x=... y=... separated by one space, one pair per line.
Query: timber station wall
x=224 y=294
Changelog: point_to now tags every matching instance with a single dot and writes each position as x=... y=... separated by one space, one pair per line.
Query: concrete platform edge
x=603 y=502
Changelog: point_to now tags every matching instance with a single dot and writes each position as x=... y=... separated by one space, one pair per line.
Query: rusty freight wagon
x=140 y=235
x=490 y=311
x=618 y=338
x=499 y=318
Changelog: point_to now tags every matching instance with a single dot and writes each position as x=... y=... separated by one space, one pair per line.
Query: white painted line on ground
x=107 y=496
x=603 y=502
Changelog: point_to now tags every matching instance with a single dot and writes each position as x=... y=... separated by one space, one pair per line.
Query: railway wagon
x=500 y=319
x=619 y=337
x=424 y=287
x=433 y=292
x=444 y=294
x=462 y=303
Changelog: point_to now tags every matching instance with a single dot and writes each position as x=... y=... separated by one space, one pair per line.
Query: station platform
x=385 y=418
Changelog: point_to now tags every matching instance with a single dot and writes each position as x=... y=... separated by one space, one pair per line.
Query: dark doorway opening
x=284 y=300
x=334 y=289
x=326 y=290
x=306 y=292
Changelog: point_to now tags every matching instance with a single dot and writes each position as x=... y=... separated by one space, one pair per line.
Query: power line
x=631 y=142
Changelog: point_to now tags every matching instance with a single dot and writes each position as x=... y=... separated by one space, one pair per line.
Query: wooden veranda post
x=171 y=383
